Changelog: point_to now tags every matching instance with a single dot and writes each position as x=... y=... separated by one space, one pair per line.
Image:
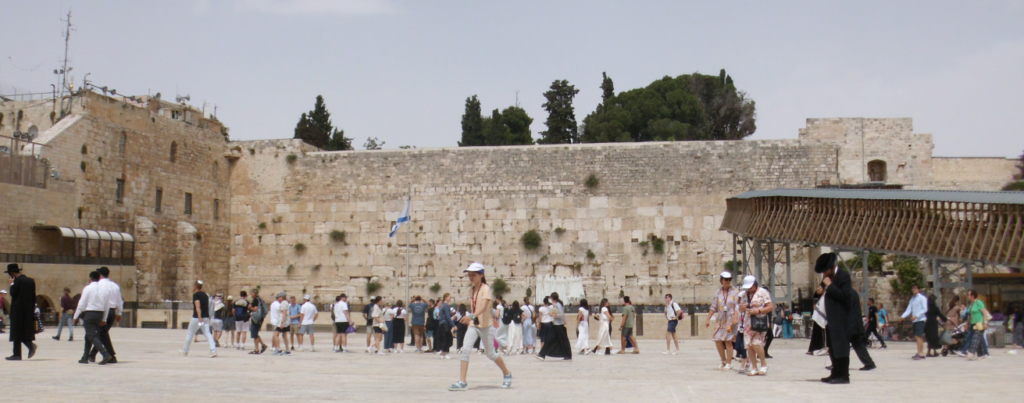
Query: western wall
x=252 y=203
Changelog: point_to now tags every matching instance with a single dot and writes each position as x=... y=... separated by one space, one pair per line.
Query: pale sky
x=401 y=71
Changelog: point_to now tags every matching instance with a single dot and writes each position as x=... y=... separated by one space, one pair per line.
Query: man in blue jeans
x=787 y=322
x=67 y=310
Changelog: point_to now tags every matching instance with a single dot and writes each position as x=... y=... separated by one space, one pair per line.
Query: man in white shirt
x=674 y=313
x=307 y=315
x=916 y=310
x=341 y=316
x=92 y=307
x=116 y=304
x=279 y=318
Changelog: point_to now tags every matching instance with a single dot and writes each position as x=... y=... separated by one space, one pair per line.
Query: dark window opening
x=174 y=151
x=188 y=203
x=159 y=200
x=120 y=191
x=216 y=209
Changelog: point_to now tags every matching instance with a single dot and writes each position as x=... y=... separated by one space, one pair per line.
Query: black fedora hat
x=13 y=268
x=825 y=261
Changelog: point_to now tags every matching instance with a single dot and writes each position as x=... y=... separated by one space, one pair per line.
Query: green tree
x=607 y=88
x=908 y=273
x=561 y=120
x=495 y=131
x=687 y=107
x=315 y=128
x=518 y=123
x=875 y=262
x=372 y=143
x=1018 y=182
x=472 y=124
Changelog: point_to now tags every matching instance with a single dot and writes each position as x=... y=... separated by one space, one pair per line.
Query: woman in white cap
x=756 y=304
x=480 y=328
x=724 y=304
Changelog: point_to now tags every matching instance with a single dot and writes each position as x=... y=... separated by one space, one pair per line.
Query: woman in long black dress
x=931 y=327
x=817 y=332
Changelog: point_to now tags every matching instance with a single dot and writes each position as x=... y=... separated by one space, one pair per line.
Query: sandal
x=264 y=349
x=254 y=352
x=752 y=373
x=763 y=371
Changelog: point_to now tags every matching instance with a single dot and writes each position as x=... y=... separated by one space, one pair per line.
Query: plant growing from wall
x=252 y=151
x=338 y=236
x=263 y=225
x=499 y=287
x=83 y=166
x=529 y=292
x=300 y=247
x=531 y=240
x=85 y=149
x=559 y=231
x=289 y=269
x=435 y=288
x=622 y=293
x=731 y=266
x=291 y=158
x=590 y=255
x=373 y=286
x=53 y=117
x=592 y=182
x=317 y=267
x=657 y=243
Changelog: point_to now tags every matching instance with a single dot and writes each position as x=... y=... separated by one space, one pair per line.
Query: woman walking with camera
x=480 y=328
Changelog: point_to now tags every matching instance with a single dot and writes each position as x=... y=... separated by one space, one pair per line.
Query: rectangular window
x=216 y=209
x=159 y=199
x=120 y=191
x=188 y=203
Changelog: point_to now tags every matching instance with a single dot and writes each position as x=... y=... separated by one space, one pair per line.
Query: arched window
x=174 y=151
x=216 y=167
x=876 y=171
x=122 y=143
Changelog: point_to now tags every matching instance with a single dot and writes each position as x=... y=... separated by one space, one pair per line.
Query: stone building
x=271 y=213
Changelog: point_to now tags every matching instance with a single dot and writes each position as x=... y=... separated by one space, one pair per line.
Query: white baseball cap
x=748 y=282
x=475 y=267
x=306 y=297
x=3 y=291
x=725 y=274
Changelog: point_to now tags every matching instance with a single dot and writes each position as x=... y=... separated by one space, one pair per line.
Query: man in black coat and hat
x=23 y=307
x=845 y=326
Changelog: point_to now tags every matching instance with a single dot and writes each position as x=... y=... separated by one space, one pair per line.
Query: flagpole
x=408 y=245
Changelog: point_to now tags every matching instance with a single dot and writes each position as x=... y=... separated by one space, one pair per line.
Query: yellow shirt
x=482 y=298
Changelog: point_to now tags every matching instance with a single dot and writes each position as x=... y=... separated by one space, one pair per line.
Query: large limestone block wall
x=973 y=173
x=85 y=150
x=474 y=204
x=906 y=155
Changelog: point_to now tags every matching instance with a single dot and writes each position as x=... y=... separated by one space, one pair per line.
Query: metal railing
x=64 y=259
x=28 y=96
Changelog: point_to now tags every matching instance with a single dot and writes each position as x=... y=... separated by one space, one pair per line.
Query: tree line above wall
x=684 y=108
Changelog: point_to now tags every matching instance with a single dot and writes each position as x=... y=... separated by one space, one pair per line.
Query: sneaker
x=917 y=357
x=213 y=354
x=664 y=353
x=32 y=350
x=447 y=357
x=539 y=357
x=1014 y=352
x=459 y=387
x=276 y=352
x=288 y=353
x=56 y=338
x=72 y=338
x=727 y=367
x=312 y=350
x=507 y=381
x=959 y=353
x=182 y=352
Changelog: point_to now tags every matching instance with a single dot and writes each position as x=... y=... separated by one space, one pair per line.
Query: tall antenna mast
x=64 y=71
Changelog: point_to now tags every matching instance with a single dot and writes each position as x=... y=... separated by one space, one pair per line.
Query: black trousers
x=104 y=334
x=17 y=347
x=768 y=340
x=91 y=321
x=840 y=366
x=874 y=331
x=556 y=344
x=860 y=346
x=461 y=334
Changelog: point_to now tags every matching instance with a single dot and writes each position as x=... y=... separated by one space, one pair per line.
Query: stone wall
x=86 y=151
x=973 y=173
x=474 y=204
x=864 y=143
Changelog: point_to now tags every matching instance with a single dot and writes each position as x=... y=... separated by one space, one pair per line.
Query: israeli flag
x=403 y=218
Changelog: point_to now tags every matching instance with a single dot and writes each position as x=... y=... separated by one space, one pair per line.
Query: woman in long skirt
x=515 y=328
x=604 y=335
x=398 y=327
x=583 y=328
x=931 y=327
x=529 y=331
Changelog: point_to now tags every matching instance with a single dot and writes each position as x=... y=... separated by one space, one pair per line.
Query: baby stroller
x=953 y=340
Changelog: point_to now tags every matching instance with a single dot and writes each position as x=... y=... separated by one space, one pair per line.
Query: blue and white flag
x=403 y=218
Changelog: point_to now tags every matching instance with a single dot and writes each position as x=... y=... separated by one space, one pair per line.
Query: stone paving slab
x=151 y=370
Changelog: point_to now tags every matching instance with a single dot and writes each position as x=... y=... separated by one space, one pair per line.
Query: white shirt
x=114 y=295
x=389 y=314
x=94 y=298
x=308 y=312
x=545 y=316
x=400 y=313
x=341 y=312
x=918 y=307
x=275 y=313
x=672 y=311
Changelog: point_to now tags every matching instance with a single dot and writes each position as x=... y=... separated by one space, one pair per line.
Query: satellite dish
x=185 y=98
x=33 y=132
x=17 y=134
x=157 y=96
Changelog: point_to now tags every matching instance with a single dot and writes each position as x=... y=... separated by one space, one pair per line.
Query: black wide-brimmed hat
x=825 y=261
x=13 y=268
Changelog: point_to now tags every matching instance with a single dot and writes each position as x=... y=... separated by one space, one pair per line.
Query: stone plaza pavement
x=151 y=370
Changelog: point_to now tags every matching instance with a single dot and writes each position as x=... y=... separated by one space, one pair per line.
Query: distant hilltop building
x=153 y=190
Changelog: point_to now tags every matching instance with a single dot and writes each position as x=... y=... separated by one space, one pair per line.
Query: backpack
x=260 y=313
x=679 y=310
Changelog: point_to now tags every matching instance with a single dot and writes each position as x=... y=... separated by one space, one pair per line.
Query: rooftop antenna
x=517 y=98
x=65 y=70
